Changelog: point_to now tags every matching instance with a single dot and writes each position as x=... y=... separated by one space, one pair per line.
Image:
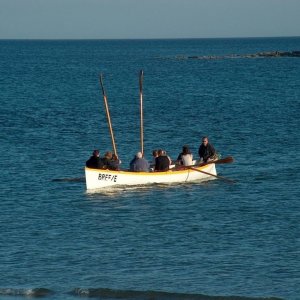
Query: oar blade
x=225 y=160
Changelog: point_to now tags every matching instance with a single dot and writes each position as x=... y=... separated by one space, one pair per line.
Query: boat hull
x=98 y=178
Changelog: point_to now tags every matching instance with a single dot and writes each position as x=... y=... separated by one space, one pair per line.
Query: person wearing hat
x=95 y=162
x=139 y=164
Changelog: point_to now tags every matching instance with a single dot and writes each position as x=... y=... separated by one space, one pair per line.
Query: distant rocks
x=279 y=54
x=256 y=55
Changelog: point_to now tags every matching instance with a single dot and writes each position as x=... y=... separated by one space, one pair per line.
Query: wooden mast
x=108 y=116
x=141 y=112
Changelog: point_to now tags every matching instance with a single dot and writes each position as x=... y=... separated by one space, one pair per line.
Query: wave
x=77 y=179
x=105 y=293
x=155 y=295
x=35 y=292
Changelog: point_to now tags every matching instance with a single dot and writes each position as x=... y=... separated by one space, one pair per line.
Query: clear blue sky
x=112 y=19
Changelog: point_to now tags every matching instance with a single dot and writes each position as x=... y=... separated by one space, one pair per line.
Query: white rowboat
x=98 y=178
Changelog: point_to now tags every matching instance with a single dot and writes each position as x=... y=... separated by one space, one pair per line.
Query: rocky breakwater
x=279 y=54
x=255 y=55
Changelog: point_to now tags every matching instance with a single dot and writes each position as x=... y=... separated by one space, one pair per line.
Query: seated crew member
x=115 y=157
x=185 y=158
x=108 y=162
x=139 y=164
x=165 y=154
x=154 y=155
x=206 y=151
x=132 y=164
x=114 y=163
x=162 y=162
x=95 y=161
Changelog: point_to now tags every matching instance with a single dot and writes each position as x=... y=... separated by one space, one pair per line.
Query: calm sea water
x=188 y=241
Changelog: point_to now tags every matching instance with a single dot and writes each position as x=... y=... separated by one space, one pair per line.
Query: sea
x=206 y=240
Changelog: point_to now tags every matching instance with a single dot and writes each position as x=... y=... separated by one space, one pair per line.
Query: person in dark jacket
x=162 y=162
x=132 y=164
x=206 y=151
x=95 y=162
x=115 y=162
x=110 y=161
x=154 y=155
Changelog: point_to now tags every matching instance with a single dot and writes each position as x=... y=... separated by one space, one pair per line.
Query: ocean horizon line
x=147 y=39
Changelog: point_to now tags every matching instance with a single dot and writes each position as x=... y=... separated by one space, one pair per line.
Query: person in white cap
x=139 y=164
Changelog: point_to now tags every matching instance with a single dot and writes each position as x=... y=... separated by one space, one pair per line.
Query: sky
x=146 y=19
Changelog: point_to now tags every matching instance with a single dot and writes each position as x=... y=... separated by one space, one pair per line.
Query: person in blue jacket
x=139 y=163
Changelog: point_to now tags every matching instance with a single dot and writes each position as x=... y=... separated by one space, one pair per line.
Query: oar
x=210 y=174
x=108 y=116
x=225 y=160
x=141 y=111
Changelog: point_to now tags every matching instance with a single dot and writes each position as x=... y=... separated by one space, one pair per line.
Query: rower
x=206 y=151
x=185 y=158
x=139 y=164
x=162 y=162
x=95 y=162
